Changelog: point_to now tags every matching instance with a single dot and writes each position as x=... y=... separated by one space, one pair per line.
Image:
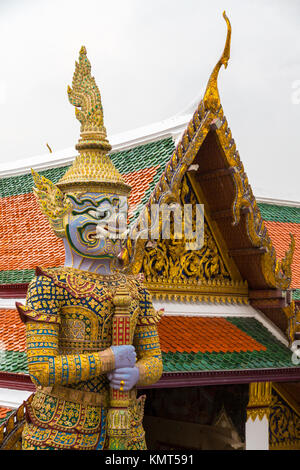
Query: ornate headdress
x=92 y=169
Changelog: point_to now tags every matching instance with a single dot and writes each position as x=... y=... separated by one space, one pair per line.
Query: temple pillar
x=258 y=412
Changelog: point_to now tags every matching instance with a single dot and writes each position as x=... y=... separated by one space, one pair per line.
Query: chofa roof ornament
x=211 y=97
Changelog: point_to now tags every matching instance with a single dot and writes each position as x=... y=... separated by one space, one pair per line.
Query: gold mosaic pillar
x=258 y=412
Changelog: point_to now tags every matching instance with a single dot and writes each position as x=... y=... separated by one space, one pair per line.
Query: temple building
x=229 y=332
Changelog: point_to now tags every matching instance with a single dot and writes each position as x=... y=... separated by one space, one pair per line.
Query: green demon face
x=97 y=224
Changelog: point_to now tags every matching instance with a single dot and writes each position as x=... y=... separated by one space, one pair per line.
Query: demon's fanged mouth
x=91 y=236
x=88 y=234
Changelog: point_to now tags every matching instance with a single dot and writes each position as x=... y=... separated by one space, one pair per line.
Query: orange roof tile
x=27 y=240
x=26 y=237
x=12 y=331
x=177 y=334
x=187 y=343
x=4 y=411
x=203 y=334
x=279 y=233
x=139 y=181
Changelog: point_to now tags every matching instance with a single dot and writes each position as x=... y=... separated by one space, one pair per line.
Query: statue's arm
x=46 y=366
x=146 y=342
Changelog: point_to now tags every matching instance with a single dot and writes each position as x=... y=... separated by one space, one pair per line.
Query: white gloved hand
x=129 y=375
x=125 y=356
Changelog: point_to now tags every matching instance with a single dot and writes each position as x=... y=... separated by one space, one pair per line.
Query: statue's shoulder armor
x=148 y=315
x=42 y=301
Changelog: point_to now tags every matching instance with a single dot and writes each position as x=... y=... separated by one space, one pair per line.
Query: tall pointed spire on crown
x=92 y=169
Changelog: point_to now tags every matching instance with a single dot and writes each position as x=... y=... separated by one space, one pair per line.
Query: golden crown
x=92 y=169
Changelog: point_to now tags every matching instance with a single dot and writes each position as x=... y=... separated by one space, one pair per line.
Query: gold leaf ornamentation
x=85 y=94
x=284 y=426
x=170 y=261
x=53 y=203
x=211 y=97
x=260 y=399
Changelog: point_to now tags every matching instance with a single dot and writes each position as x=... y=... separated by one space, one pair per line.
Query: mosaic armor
x=68 y=316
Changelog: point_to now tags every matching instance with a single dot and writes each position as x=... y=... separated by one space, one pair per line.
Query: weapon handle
x=118 y=414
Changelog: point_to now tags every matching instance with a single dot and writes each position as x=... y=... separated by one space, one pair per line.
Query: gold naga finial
x=211 y=97
x=85 y=95
x=49 y=148
x=284 y=267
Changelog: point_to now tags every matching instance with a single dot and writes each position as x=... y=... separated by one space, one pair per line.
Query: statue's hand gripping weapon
x=119 y=418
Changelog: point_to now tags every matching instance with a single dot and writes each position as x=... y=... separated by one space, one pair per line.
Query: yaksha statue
x=91 y=329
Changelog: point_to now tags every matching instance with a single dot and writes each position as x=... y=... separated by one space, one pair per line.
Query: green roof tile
x=21 y=276
x=13 y=361
x=274 y=213
x=276 y=354
x=127 y=161
x=22 y=184
x=296 y=294
x=7 y=416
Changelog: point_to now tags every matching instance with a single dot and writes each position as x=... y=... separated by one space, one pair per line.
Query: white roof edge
x=10 y=303
x=11 y=398
x=172 y=127
x=278 y=202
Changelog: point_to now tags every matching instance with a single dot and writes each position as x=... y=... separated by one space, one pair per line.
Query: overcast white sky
x=150 y=60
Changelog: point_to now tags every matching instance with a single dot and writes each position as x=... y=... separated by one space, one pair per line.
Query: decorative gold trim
x=233 y=292
x=260 y=399
x=106 y=278
x=168 y=189
x=85 y=95
x=11 y=429
x=291 y=315
x=277 y=273
x=53 y=203
x=92 y=169
x=76 y=396
x=172 y=270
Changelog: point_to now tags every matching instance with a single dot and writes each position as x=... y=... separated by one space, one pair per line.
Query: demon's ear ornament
x=53 y=203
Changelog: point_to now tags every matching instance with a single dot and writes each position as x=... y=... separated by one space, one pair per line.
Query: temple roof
x=198 y=344
x=27 y=240
x=188 y=343
x=223 y=344
x=280 y=222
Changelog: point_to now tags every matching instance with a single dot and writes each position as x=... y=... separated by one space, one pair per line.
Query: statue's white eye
x=93 y=213
x=102 y=214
